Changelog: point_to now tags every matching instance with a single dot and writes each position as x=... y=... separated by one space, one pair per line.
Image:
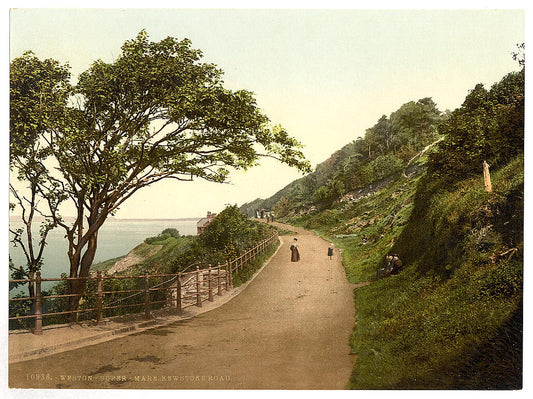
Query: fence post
x=178 y=293
x=227 y=275
x=210 y=285
x=38 y=306
x=231 y=277
x=99 y=300
x=198 y=293
x=219 y=282
x=146 y=297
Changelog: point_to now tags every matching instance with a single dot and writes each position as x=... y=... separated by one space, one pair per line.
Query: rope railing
x=178 y=291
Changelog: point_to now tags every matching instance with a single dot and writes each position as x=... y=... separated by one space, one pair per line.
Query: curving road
x=289 y=329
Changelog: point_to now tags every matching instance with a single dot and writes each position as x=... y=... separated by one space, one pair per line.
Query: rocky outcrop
x=133 y=258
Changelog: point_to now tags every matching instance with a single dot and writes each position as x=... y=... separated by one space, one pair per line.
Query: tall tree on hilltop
x=413 y=126
x=155 y=113
x=489 y=126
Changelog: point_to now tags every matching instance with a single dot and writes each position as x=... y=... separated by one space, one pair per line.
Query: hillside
x=229 y=235
x=452 y=319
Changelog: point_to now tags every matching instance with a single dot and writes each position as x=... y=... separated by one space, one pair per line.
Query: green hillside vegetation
x=385 y=150
x=230 y=234
x=105 y=265
x=452 y=319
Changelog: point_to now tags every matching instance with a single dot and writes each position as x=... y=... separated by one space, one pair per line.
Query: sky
x=326 y=75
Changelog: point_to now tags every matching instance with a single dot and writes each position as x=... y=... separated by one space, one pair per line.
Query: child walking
x=330 y=251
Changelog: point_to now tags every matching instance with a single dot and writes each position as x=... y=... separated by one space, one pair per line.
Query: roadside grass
x=380 y=218
x=419 y=332
x=157 y=255
x=250 y=268
x=285 y=232
x=429 y=327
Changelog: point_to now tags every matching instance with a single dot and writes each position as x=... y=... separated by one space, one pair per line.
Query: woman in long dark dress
x=295 y=255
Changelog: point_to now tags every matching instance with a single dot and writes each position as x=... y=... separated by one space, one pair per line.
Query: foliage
x=383 y=151
x=226 y=237
x=385 y=165
x=452 y=318
x=37 y=98
x=489 y=126
x=38 y=93
x=157 y=112
x=164 y=235
x=20 y=308
x=323 y=219
x=172 y=232
x=282 y=208
x=230 y=234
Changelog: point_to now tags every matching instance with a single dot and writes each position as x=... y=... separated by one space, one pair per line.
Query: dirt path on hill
x=289 y=329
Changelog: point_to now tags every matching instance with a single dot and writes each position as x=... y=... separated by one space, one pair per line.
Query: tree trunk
x=78 y=286
x=31 y=291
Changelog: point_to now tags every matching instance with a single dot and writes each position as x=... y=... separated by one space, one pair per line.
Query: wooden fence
x=177 y=291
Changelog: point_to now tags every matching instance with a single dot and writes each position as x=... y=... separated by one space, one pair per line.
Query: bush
x=163 y=236
x=172 y=232
x=326 y=218
x=386 y=165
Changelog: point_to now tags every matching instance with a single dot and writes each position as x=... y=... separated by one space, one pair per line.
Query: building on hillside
x=204 y=222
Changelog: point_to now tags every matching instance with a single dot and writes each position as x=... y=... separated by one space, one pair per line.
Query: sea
x=116 y=238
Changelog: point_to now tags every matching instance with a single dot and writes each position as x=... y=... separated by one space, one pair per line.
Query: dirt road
x=289 y=329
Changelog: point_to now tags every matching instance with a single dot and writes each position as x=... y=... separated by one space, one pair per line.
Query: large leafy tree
x=155 y=113
x=489 y=126
x=414 y=126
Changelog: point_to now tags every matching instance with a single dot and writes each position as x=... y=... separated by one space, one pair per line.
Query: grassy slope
x=452 y=319
x=160 y=262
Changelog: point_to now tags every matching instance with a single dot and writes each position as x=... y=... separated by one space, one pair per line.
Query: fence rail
x=177 y=291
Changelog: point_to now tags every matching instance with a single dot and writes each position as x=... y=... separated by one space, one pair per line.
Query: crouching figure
x=394 y=266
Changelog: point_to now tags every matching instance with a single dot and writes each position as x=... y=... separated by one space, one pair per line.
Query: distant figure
x=363 y=240
x=295 y=255
x=330 y=251
x=271 y=217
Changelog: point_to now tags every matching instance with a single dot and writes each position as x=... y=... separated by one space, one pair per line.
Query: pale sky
x=325 y=75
